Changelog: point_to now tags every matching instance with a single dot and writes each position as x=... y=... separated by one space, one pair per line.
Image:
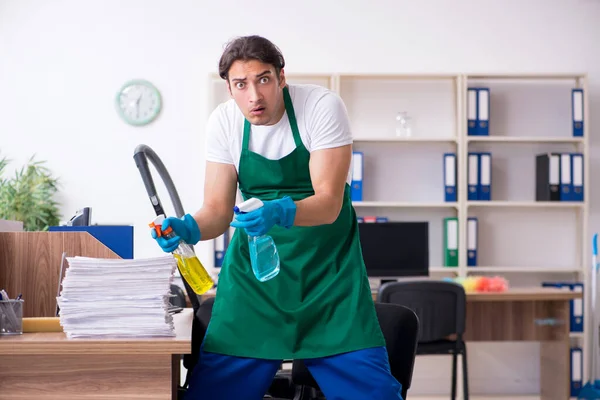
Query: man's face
x=257 y=91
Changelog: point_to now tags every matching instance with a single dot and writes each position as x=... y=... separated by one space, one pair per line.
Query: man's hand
x=185 y=229
x=328 y=171
x=276 y=212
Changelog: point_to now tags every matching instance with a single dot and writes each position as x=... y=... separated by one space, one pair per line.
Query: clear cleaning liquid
x=263 y=257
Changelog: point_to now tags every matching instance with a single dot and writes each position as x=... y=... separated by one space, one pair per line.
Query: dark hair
x=250 y=48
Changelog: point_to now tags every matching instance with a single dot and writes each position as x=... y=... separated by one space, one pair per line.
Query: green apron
x=320 y=304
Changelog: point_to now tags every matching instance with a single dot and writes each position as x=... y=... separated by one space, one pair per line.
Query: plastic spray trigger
x=156 y=225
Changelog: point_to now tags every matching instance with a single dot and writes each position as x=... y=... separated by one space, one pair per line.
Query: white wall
x=61 y=63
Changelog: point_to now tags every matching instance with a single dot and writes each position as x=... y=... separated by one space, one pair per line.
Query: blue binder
x=575 y=306
x=473 y=176
x=485 y=176
x=450 y=177
x=221 y=244
x=566 y=186
x=576 y=309
x=576 y=370
x=577 y=176
x=577 y=112
x=357 y=176
x=483 y=111
x=472 y=120
x=472 y=241
x=118 y=238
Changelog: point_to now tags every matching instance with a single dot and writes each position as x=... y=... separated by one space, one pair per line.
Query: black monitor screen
x=395 y=248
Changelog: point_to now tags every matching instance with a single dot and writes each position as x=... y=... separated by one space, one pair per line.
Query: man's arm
x=219 y=199
x=328 y=172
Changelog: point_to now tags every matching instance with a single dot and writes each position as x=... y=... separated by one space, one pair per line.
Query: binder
x=566 y=187
x=577 y=176
x=547 y=177
x=472 y=112
x=577 y=309
x=576 y=370
x=473 y=176
x=483 y=111
x=577 y=112
x=485 y=176
x=472 y=241
x=357 y=176
x=220 y=248
x=450 y=177
x=576 y=312
x=451 y=242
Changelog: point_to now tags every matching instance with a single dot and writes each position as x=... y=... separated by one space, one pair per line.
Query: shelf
x=444 y=269
x=393 y=76
x=527 y=269
x=402 y=204
x=524 y=139
x=526 y=204
x=407 y=139
x=536 y=76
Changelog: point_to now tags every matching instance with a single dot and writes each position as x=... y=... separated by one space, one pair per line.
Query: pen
x=19 y=296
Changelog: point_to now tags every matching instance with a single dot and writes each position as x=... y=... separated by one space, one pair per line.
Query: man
x=291 y=147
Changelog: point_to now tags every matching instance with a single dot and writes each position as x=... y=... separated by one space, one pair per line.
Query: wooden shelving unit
x=519 y=238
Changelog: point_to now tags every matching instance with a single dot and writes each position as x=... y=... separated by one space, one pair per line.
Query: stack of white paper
x=117 y=297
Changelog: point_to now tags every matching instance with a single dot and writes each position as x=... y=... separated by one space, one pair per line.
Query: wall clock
x=138 y=102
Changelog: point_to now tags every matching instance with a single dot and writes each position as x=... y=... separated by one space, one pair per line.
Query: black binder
x=547 y=177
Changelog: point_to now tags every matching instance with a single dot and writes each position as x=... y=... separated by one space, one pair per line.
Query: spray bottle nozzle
x=156 y=225
x=248 y=205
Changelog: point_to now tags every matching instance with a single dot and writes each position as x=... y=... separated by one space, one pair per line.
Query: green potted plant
x=28 y=196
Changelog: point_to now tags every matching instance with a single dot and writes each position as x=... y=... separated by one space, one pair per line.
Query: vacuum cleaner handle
x=142 y=164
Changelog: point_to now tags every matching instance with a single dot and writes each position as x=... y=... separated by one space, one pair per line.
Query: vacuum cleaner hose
x=141 y=155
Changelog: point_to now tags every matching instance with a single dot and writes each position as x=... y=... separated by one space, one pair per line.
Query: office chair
x=400 y=327
x=282 y=383
x=178 y=296
x=441 y=308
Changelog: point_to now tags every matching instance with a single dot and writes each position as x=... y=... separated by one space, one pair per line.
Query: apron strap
x=246 y=139
x=289 y=108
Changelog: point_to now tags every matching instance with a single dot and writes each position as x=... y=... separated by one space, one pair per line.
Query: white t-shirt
x=322 y=121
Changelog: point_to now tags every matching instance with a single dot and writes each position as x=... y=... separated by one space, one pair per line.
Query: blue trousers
x=358 y=375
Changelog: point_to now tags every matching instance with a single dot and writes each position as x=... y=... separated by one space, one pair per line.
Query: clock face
x=138 y=102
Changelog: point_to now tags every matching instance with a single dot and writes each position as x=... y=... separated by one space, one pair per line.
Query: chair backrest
x=178 y=298
x=440 y=305
x=199 y=326
x=400 y=327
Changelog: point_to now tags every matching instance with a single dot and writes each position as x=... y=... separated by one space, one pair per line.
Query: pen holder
x=11 y=317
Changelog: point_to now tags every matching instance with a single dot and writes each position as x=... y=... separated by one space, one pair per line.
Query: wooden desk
x=48 y=366
x=519 y=315
x=523 y=315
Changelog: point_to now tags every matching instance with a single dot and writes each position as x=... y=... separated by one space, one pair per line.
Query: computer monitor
x=81 y=218
x=395 y=249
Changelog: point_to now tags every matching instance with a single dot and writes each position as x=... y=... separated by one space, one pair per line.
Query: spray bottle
x=188 y=263
x=263 y=252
